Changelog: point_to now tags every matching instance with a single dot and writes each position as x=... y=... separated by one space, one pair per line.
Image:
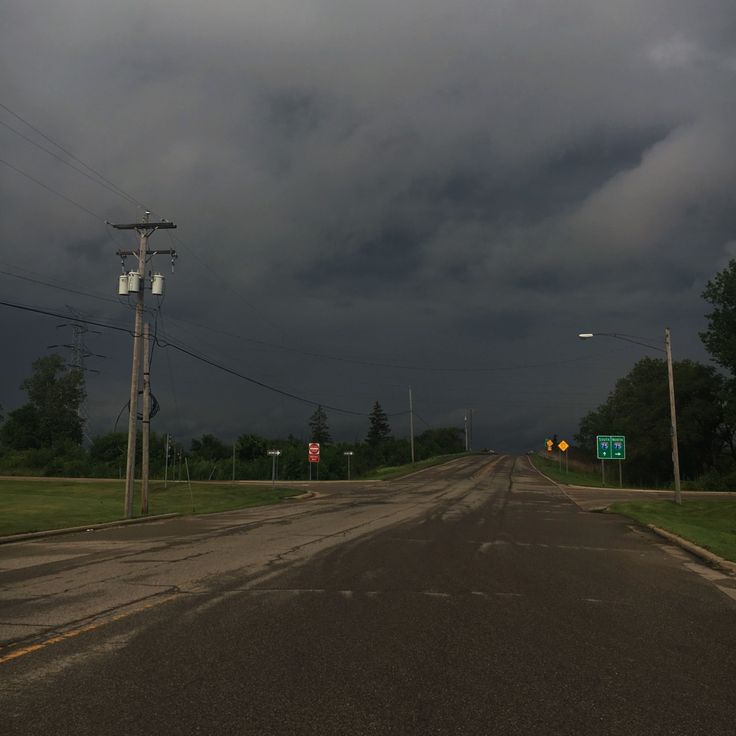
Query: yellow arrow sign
x=563 y=446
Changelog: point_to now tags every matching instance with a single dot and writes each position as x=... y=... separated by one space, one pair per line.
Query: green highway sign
x=618 y=447
x=611 y=447
x=603 y=443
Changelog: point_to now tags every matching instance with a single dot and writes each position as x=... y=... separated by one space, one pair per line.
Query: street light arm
x=619 y=336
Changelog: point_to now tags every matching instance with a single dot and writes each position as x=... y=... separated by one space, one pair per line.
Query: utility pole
x=146 y=444
x=411 y=425
x=470 y=431
x=134 y=282
x=166 y=465
x=673 y=414
x=466 y=431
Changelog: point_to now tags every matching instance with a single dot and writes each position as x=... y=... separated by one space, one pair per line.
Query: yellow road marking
x=81 y=630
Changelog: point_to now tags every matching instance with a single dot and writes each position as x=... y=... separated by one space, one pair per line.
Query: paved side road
x=476 y=599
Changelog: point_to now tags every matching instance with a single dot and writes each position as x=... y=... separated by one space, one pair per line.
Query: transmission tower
x=78 y=354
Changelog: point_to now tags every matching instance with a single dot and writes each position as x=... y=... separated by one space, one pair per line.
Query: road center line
x=82 y=630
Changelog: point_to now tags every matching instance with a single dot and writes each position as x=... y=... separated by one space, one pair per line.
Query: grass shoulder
x=39 y=505
x=575 y=477
x=397 y=471
x=710 y=524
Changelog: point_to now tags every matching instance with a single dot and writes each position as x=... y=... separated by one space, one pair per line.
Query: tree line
x=45 y=436
x=705 y=399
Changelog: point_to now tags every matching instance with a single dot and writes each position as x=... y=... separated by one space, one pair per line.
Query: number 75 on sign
x=611 y=447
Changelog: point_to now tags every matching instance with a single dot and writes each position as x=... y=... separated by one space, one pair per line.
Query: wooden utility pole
x=470 y=430
x=166 y=463
x=137 y=279
x=411 y=426
x=145 y=462
x=673 y=415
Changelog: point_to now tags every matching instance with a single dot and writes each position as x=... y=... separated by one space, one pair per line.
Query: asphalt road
x=475 y=598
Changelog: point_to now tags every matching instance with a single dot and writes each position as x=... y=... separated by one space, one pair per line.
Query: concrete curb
x=75 y=529
x=707 y=556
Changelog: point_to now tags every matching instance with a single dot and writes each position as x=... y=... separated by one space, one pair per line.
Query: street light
x=348 y=454
x=673 y=416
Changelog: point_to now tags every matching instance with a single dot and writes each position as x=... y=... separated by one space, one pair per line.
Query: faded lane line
x=487 y=468
x=81 y=630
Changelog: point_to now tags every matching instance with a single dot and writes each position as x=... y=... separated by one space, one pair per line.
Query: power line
x=52 y=190
x=93 y=179
x=196 y=356
x=254 y=381
x=49 y=313
x=60 y=288
x=193 y=252
x=191 y=353
x=323 y=356
x=423 y=420
x=103 y=180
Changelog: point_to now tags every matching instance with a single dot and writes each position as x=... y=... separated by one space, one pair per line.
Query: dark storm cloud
x=94 y=252
x=391 y=257
x=432 y=182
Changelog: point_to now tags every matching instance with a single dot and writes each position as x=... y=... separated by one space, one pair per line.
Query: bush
x=714 y=480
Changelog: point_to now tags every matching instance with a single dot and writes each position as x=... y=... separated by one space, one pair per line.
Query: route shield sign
x=618 y=447
x=611 y=447
x=605 y=451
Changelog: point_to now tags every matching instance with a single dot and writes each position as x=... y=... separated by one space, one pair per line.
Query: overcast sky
x=369 y=195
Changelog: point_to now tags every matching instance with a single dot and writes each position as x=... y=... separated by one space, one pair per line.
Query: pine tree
x=318 y=426
x=379 y=430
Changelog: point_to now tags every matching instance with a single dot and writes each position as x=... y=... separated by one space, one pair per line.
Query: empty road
x=472 y=598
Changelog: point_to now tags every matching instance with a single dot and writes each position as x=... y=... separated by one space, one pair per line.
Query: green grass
x=396 y=471
x=28 y=505
x=574 y=477
x=709 y=524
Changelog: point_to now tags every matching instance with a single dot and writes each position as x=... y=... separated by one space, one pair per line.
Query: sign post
x=618 y=452
x=564 y=447
x=313 y=454
x=611 y=447
x=274 y=455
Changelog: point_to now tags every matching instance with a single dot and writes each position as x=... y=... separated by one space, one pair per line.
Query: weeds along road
x=471 y=598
